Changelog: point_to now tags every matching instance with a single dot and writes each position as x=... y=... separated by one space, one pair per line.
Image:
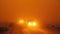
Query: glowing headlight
x=21 y=21
x=32 y=24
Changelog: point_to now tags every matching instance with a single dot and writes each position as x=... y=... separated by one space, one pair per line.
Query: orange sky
x=45 y=10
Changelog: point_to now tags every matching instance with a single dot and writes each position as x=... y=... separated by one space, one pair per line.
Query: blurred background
x=45 y=11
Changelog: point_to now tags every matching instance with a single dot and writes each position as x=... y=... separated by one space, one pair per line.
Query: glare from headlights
x=21 y=21
x=32 y=24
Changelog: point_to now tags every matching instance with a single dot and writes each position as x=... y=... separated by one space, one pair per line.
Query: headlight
x=21 y=21
x=32 y=24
